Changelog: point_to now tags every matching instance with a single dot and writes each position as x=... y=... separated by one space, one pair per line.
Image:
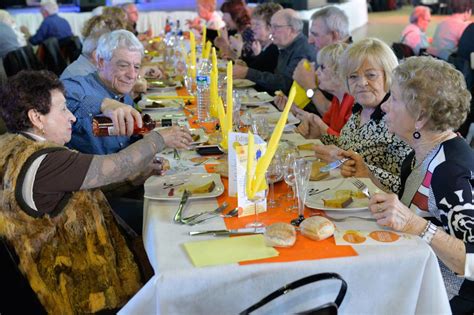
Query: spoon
x=232 y=213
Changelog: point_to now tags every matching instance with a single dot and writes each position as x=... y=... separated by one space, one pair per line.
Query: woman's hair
x=6 y=18
x=265 y=11
x=436 y=88
x=460 y=6
x=24 y=91
x=331 y=54
x=101 y=22
x=238 y=12
x=369 y=49
x=418 y=12
x=109 y=42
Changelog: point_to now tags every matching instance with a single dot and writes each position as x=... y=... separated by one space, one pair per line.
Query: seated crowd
x=65 y=192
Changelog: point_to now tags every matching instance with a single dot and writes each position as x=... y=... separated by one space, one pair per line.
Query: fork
x=192 y=218
x=350 y=217
x=360 y=186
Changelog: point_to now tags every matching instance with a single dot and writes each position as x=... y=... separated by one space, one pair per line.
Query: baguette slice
x=338 y=202
x=315 y=173
x=202 y=189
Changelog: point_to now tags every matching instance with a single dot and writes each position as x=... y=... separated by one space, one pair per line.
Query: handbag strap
x=298 y=283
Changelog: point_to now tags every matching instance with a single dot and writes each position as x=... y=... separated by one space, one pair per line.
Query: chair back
x=3 y=79
x=71 y=48
x=15 y=61
x=325 y=309
x=402 y=51
x=33 y=60
x=53 y=59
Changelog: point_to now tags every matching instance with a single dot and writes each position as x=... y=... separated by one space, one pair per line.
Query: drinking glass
x=302 y=172
x=289 y=177
x=273 y=175
x=260 y=127
x=259 y=196
x=236 y=111
x=190 y=84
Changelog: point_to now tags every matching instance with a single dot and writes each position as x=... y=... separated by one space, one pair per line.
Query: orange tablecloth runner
x=304 y=248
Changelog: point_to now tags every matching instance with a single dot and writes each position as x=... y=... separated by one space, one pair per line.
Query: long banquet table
x=381 y=279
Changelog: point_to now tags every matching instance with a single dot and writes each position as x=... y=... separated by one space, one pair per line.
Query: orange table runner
x=304 y=248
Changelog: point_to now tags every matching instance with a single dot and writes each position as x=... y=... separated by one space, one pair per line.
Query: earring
x=416 y=135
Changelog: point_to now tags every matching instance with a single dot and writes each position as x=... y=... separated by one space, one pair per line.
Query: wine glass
x=289 y=177
x=189 y=84
x=302 y=172
x=273 y=175
x=260 y=127
x=236 y=111
x=258 y=197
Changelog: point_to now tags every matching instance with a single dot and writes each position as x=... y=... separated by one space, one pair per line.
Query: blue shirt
x=52 y=26
x=84 y=96
x=81 y=66
x=8 y=40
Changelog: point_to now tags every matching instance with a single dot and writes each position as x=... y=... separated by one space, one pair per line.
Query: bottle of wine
x=102 y=126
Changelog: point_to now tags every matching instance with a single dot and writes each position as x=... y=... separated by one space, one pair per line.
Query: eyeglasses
x=275 y=26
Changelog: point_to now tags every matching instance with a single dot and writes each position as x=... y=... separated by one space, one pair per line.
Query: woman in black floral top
x=429 y=101
x=367 y=68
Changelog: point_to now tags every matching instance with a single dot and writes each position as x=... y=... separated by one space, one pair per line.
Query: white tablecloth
x=381 y=279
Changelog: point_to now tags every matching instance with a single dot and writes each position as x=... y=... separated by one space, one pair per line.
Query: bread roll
x=280 y=235
x=317 y=228
x=279 y=93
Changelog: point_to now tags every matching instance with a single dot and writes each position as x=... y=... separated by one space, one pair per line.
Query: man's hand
x=123 y=116
x=239 y=72
x=305 y=78
x=176 y=137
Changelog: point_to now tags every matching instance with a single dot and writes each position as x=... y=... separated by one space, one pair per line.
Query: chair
x=3 y=76
x=325 y=309
x=71 y=48
x=50 y=55
x=34 y=62
x=402 y=51
x=15 y=61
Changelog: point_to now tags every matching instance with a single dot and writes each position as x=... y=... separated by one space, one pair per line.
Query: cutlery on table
x=194 y=222
x=184 y=199
x=191 y=218
x=232 y=213
x=242 y=231
x=360 y=186
x=332 y=165
x=350 y=217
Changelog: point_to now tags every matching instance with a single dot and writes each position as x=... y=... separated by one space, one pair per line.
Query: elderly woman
x=367 y=68
x=69 y=247
x=429 y=100
x=265 y=53
x=340 y=110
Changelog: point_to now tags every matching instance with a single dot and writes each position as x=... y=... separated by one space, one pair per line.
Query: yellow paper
x=221 y=112
x=192 y=44
x=207 y=50
x=258 y=181
x=230 y=99
x=250 y=157
x=301 y=100
x=213 y=94
x=203 y=39
x=228 y=250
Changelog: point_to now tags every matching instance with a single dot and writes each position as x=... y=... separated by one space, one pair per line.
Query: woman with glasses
x=366 y=67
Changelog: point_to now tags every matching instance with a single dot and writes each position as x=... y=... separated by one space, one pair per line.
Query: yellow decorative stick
x=250 y=156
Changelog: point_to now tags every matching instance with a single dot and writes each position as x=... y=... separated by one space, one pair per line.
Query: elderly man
x=286 y=29
x=132 y=16
x=414 y=34
x=329 y=25
x=52 y=26
x=118 y=59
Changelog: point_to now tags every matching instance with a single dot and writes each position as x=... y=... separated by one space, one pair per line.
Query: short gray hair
x=90 y=42
x=293 y=19
x=335 y=19
x=50 y=7
x=109 y=42
x=419 y=12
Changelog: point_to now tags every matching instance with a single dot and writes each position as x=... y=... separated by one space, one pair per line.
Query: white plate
x=316 y=201
x=202 y=135
x=256 y=98
x=272 y=118
x=243 y=83
x=158 y=187
x=168 y=104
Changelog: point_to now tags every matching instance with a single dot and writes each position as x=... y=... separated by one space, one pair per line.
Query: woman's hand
x=236 y=44
x=153 y=71
x=176 y=137
x=305 y=78
x=256 y=47
x=355 y=167
x=391 y=212
x=309 y=127
x=328 y=153
x=280 y=100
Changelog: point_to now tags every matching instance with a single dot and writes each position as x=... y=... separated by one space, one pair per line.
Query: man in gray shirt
x=8 y=40
x=293 y=45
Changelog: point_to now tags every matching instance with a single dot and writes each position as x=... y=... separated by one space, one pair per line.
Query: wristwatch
x=429 y=232
x=310 y=92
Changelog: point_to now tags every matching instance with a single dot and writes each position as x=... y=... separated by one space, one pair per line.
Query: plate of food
x=150 y=104
x=171 y=187
x=273 y=117
x=243 y=83
x=198 y=135
x=162 y=83
x=256 y=98
x=338 y=195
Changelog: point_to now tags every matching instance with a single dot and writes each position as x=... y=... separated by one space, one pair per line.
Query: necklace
x=415 y=164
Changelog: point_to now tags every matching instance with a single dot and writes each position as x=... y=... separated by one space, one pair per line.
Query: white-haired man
x=286 y=28
x=52 y=26
x=414 y=34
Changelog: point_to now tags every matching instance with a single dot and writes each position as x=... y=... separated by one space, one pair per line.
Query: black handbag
x=325 y=309
x=402 y=51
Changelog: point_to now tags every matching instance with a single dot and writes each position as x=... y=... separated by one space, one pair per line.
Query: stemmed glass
x=289 y=176
x=302 y=172
x=260 y=127
x=259 y=196
x=273 y=175
x=190 y=84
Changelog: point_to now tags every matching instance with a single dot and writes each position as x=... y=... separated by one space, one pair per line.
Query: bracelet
x=429 y=232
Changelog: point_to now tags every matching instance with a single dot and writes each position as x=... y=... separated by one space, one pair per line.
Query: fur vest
x=76 y=260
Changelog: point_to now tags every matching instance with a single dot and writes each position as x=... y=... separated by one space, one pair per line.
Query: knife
x=178 y=216
x=218 y=210
x=242 y=231
x=332 y=165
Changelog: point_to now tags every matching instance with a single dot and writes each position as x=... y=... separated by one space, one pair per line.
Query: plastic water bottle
x=203 y=83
